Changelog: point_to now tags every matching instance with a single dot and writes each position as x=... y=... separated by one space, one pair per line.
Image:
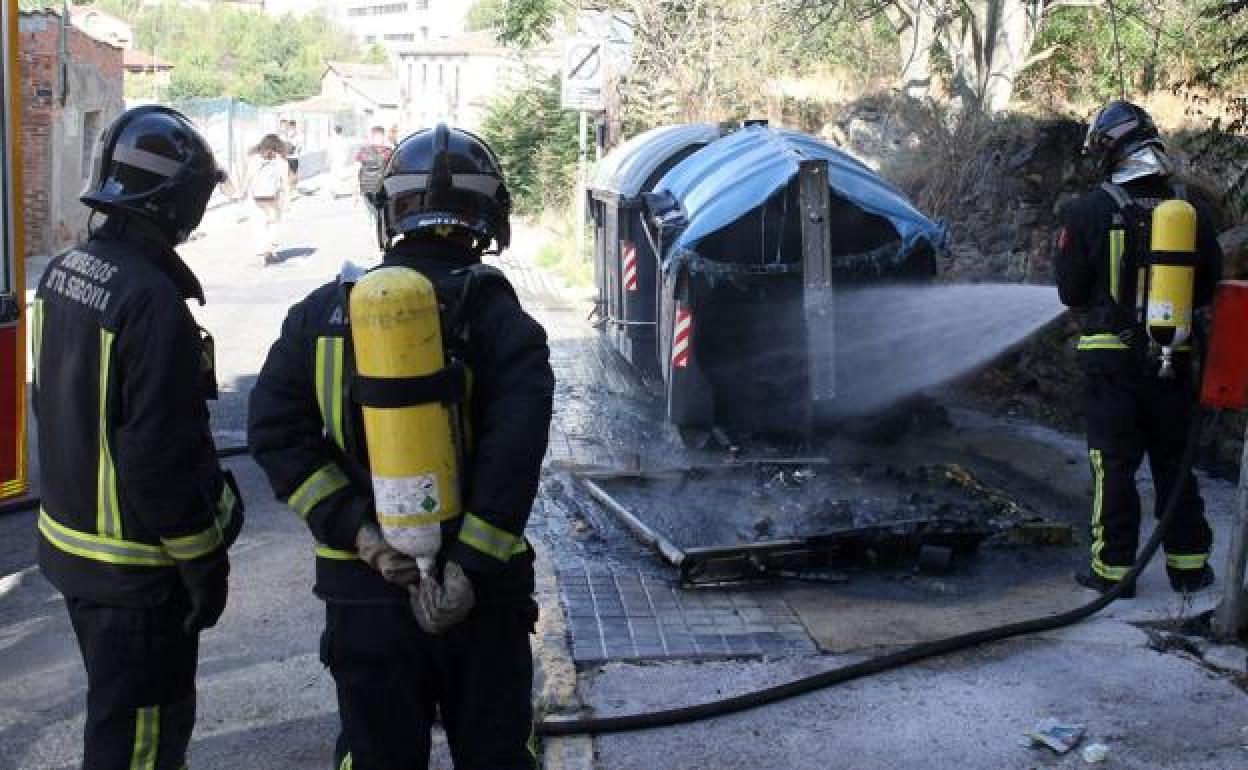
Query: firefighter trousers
x=1130 y=416
x=393 y=680
x=140 y=684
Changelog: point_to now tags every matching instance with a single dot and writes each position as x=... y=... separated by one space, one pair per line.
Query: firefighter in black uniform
x=1102 y=263
x=137 y=514
x=396 y=661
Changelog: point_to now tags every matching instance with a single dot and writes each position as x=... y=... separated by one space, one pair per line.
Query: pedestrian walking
x=1135 y=405
x=403 y=648
x=136 y=514
x=268 y=186
x=372 y=159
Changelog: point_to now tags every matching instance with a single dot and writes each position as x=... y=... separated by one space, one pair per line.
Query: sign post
x=584 y=68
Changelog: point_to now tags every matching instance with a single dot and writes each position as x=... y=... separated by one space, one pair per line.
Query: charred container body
x=625 y=262
x=755 y=233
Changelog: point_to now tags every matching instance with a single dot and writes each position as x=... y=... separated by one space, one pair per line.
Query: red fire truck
x=13 y=481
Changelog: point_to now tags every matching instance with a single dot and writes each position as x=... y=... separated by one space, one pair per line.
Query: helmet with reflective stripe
x=1118 y=130
x=153 y=164
x=441 y=181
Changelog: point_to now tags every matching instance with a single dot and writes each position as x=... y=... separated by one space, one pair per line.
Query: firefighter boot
x=1189 y=581
x=1089 y=579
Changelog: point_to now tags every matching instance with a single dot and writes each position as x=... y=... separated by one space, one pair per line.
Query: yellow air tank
x=1171 y=279
x=396 y=332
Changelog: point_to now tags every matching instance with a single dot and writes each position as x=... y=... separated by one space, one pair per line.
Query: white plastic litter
x=1095 y=752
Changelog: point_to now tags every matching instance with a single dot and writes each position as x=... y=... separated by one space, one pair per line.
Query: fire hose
x=904 y=657
x=555 y=726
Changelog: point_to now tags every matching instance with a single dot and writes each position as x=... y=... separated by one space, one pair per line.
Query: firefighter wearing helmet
x=1139 y=257
x=136 y=513
x=403 y=413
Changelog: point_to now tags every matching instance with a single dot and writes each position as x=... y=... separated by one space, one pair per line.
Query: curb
x=557 y=693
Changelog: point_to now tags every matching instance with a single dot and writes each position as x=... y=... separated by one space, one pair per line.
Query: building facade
x=454 y=79
x=373 y=93
x=402 y=25
x=62 y=118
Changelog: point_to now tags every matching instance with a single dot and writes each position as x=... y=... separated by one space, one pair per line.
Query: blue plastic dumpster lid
x=625 y=169
x=731 y=177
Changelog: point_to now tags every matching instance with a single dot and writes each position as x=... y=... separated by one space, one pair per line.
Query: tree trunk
x=989 y=46
x=918 y=35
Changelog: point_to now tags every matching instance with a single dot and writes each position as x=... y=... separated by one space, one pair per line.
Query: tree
x=485 y=14
x=1232 y=15
x=535 y=139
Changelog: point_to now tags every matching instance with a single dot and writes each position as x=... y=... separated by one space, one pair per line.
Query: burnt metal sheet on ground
x=619 y=614
x=780 y=517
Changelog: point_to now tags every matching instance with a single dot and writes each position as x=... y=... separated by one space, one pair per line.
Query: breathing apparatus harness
x=1152 y=272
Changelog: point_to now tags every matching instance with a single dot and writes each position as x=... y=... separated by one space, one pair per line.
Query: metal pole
x=1226 y=621
x=580 y=184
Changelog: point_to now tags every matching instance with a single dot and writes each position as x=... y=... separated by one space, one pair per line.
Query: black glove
x=1133 y=337
x=207 y=585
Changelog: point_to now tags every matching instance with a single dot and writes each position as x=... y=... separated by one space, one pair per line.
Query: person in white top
x=268 y=185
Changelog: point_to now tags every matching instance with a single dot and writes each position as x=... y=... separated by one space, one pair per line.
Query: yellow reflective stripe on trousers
x=488 y=539
x=347 y=763
x=189 y=547
x=108 y=510
x=99 y=548
x=1101 y=342
x=324 y=482
x=325 y=552
x=1187 y=560
x=1098 y=511
x=329 y=356
x=146 y=738
x=1117 y=245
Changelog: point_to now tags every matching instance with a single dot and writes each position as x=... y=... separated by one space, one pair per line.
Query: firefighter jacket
x=307 y=433
x=129 y=474
x=1102 y=261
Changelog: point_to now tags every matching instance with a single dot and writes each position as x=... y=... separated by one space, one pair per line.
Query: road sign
x=615 y=28
x=584 y=73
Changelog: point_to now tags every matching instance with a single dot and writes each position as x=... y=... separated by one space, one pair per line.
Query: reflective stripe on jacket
x=129 y=475
x=306 y=432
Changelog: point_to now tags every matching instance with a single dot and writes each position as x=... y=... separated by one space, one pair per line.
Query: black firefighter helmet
x=152 y=163
x=1118 y=130
x=441 y=181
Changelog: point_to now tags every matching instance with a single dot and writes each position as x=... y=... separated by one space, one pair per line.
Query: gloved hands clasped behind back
x=438 y=605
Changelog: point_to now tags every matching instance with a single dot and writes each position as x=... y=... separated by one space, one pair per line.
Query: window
x=441 y=81
x=424 y=33
x=90 y=130
x=424 y=76
x=406 y=37
x=370 y=39
x=378 y=10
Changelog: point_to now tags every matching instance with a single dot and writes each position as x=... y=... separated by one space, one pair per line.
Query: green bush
x=536 y=142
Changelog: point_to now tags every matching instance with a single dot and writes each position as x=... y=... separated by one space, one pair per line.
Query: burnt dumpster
x=756 y=233
x=625 y=265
